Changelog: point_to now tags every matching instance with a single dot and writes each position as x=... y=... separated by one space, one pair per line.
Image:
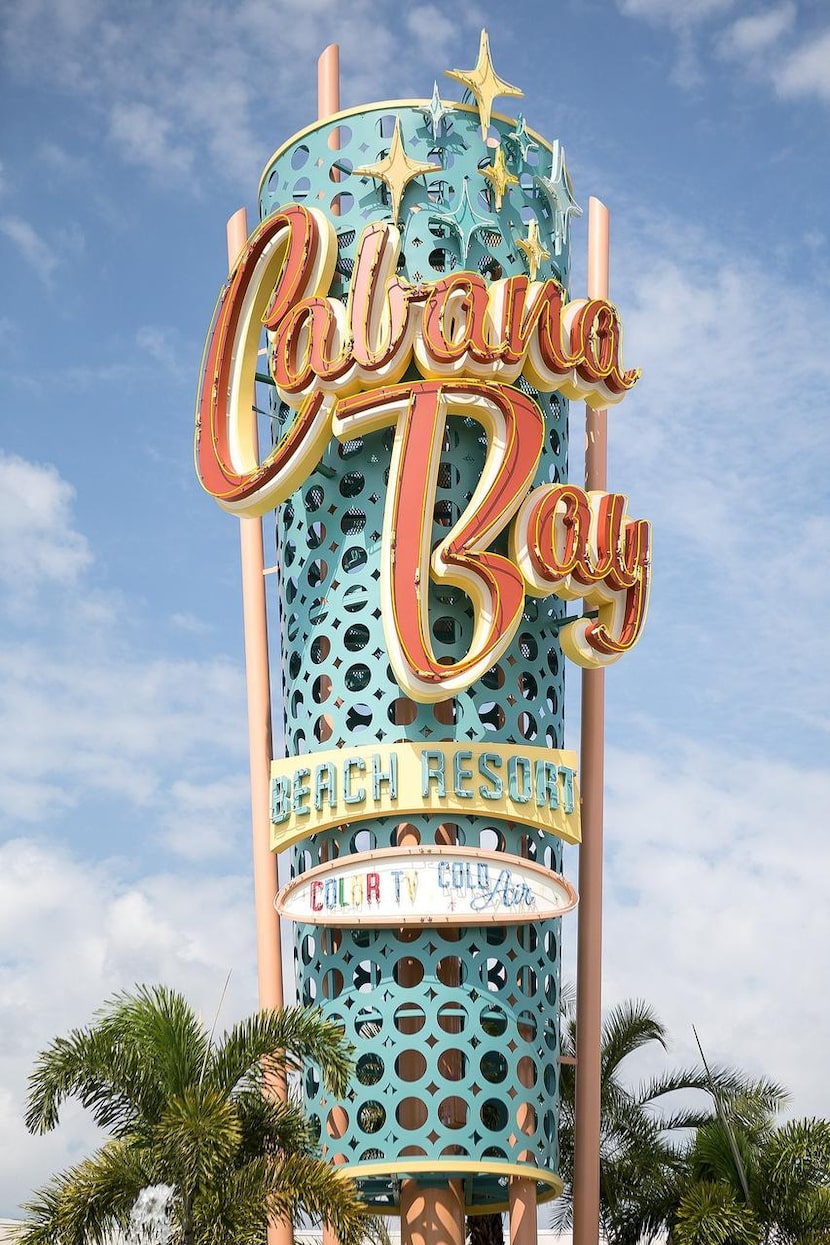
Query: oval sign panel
x=426 y=886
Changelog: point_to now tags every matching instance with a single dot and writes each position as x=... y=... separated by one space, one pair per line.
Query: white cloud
x=748 y=37
x=80 y=716
x=74 y=932
x=710 y=444
x=143 y=136
x=199 y=88
x=163 y=347
x=30 y=245
x=805 y=72
x=38 y=540
x=678 y=13
x=716 y=906
x=207 y=819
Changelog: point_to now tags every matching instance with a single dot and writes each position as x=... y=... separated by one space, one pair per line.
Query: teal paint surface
x=486 y=998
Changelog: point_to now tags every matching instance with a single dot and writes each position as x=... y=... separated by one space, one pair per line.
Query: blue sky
x=130 y=132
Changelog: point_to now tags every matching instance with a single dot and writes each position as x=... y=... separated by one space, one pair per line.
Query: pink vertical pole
x=589 y=947
x=258 y=682
x=328 y=83
x=328 y=102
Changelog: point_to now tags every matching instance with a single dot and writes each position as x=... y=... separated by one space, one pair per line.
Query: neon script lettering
x=340 y=367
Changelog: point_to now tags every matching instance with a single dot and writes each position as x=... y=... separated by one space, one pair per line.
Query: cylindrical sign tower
x=410 y=277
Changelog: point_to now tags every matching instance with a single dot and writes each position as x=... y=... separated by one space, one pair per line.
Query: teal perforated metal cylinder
x=456 y=1030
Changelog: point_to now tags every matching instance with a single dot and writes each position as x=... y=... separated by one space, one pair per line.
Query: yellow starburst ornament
x=532 y=249
x=484 y=83
x=397 y=170
x=499 y=177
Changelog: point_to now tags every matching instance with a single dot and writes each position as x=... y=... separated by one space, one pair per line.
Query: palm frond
x=270 y=1126
x=628 y=1027
x=85 y=1203
x=282 y=1039
x=709 y=1214
x=318 y=1186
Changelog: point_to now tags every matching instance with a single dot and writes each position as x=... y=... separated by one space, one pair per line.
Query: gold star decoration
x=499 y=177
x=533 y=250
x=396 y=170
x=484 y=83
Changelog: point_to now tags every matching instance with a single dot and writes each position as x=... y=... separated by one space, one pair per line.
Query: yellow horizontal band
x=552 y=1184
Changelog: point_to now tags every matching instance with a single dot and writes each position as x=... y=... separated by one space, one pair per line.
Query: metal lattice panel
x=456 y=1031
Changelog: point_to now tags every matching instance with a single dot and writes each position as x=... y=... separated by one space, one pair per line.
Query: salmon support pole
x=405 y=303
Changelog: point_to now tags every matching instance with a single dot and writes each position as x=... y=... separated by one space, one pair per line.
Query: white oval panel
x=426 y=886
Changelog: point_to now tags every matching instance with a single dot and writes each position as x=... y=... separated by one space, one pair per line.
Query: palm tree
x=186 y=1111
x=751 y=1183
x=643 y=1144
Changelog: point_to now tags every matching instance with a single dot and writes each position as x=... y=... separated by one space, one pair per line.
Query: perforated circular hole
x=352 y=522
x=452 y=1017
x=410 y=1018
x=352 y=483
x=528 y=647
x=369 y=1068
x=355 y=598
x=491 y=716
x=354 y=559
x=366 y=975
x=323 y=728
x=314 y=497
x=332 y=983
x=312 y=1083
x=402 y=711
x=493 y=1067
x=528 y=686
x=410 y=1065
x=493 y=1021
x=551 y=1079
x=321 y=689
x=408 y=972
x=527 y=981
x=371 y=1116
x=301 y=188
x=452 y=1112
x=495 y=975
x=451 y=971
x=367 y=1021
x=494 y=1115
x=528 y=1071
x=491 y=839
x=358 y=677
x=359 y=718
x=342 y=203
x=411 y=1113
x=452 y=1064
x=528 y=727
x=445 y=629
x=299 y=156
x=407 y=835
x=320 y=649
x=356 y=637
x=494 y=677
